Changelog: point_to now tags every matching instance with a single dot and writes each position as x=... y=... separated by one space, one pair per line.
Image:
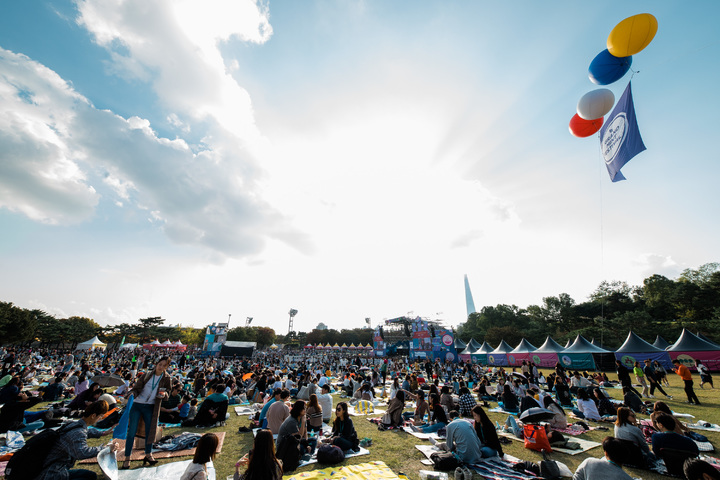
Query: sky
x=215 y=160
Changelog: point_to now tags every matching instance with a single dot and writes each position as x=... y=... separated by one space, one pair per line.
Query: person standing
x=624 y=377
x=653 y=380
x=686 y=376
x=148 y=390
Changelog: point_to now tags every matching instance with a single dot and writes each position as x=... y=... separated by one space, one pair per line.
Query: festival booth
x=474 y=344
x=91 y=344
x=546 y=355
x=499 y=356
x=460 y=345
x=128 y=346
x=153 y=344
x=520 y=353
x=179 y=346
x=586 y=356
x=635 y=349
x=239 y=349
x=689 y=347
x=481 y=354
x=661 y=343
x=466 y=354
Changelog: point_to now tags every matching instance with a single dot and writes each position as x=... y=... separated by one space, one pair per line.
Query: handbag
x=444 y=461
x=536 y=438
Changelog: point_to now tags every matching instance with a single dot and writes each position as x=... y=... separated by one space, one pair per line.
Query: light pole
x=292 y=313
x=248 y=320
x=228 y=324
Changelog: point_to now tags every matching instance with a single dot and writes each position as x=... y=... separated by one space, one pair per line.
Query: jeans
x=32 y=416
x=690 y=392
x=512 y=423
x=488 y=452
x=29 y=427
x=578 y=413
x=80 y=474
x=656 y=385
x=433 y=428
x=138 y=410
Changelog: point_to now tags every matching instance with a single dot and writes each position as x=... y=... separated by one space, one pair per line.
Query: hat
x=108 y=398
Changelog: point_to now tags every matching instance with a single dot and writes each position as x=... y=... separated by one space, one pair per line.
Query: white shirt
x=195 y=471
x=149 y=391
x=326 y=402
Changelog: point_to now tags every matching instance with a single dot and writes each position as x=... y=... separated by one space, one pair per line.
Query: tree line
x=659 y=306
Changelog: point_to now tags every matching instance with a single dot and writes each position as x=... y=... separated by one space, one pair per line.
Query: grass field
x=397 y=449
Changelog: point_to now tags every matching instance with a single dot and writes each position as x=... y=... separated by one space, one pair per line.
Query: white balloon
x=595 y=104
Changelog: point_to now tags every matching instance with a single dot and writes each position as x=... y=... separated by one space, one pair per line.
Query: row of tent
x=585 y=355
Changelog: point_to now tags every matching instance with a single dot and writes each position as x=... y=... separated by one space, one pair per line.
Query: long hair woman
x=205 y=452
x=148 y=390
x=626 y=429
x=487 y=434
x=314 y=414
x=343 y=433
x=262 y=464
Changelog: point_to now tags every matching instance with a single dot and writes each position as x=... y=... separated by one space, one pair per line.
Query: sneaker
x=652 y=396
x=432 y=440
x=459 y=474
x=669 y=397
x=467 y=473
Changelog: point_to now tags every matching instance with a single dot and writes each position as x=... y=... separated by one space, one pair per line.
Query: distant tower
x=469 y=304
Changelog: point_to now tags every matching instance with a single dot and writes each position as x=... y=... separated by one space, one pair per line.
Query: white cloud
x=58 y=149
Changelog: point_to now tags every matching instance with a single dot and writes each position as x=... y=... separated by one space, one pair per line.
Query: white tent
x=91 y=344
x=128 y=346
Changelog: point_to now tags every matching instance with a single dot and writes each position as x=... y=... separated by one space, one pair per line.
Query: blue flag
x=620 y=138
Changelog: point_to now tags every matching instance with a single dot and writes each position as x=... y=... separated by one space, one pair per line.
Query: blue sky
x=348 y=159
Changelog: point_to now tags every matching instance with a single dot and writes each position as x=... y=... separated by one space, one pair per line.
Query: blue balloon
x=607 y=68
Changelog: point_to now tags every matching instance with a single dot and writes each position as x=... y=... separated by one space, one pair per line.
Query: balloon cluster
x=628 y=37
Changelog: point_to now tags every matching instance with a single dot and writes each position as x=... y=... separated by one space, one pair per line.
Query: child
x=192 y=411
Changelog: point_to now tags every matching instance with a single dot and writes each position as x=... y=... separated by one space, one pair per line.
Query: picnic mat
x=166 y=471
x=572 y=431
x=348 y=454
x=423 y=436
x=500 y=410
x=494 y=468
x=714 y=427
x=139 y=454
x=362 y=471
x=245 y=410
x=585 y=445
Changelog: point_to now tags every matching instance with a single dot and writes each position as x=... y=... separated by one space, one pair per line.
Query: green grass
x=397 y=449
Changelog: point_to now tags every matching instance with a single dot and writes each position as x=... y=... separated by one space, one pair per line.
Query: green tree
x=17 y=325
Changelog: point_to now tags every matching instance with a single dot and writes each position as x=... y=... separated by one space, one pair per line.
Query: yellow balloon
x=632 y=35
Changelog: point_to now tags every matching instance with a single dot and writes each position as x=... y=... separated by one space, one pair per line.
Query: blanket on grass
x=353 y=413
x=423 y=436
x=348 y=454
x=495 y=468
x=139 y=454
x=585 y=445
x=362 y=471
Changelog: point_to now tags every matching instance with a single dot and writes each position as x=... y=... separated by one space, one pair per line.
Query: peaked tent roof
x=459 y=344
x=524 y=347
x=550 y=346
x=581 y=345
x=596 y=343
x=703 y=337
x=661 y=343
x=484 y=348
x=93 y=341
x=635 y=344
x=504 y=347
x=689 y=342
x=567 y=344
x=474 y=344
x=467 y=350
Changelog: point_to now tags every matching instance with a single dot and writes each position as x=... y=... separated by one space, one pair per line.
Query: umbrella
x=108 y=380
x=518 y=374
x=246 y=376
x=536 y=414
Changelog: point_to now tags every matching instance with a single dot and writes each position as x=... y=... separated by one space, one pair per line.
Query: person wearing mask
x=684 y=373
x=261 y=462
x=72 y=446
x=205 y=452
x=148 y=390
x=607 y=468
x=626 y=429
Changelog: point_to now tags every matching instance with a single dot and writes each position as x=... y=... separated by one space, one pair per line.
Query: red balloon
x=584 y=128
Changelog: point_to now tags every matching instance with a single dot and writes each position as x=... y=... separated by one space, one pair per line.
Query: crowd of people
x=294 y=394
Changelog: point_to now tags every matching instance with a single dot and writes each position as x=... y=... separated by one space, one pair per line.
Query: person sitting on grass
x=438 y=418
x=343 y=432
x=695 y=469
x=626 y=429
x=586 y=408
x=466 y=402
x=487 y=434
x=395 y=410
x=205 y=452
x=608 y=468
x=559 y=421
x=510 y=401
x=72 y=445
x=668 y=438
x=261 y=462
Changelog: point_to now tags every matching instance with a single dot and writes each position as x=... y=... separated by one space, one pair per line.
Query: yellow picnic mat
x=361 y=471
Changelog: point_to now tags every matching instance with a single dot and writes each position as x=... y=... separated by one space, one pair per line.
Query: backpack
x=444 y=461
x=330 y=454
x=24 y=463
x=288 y=450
